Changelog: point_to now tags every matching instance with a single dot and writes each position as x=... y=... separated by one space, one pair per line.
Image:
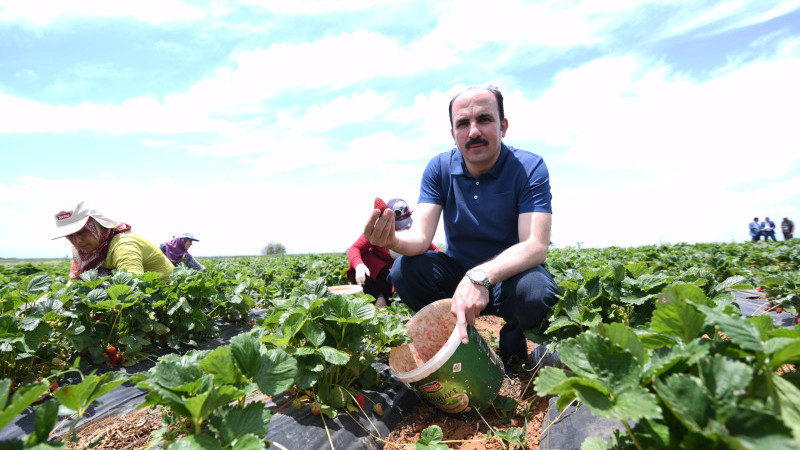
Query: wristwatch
x=479 y=276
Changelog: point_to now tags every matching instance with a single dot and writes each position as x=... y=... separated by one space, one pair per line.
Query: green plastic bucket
x=454 y=377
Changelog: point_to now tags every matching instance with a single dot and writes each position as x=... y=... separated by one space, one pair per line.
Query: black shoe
x=545 y=355
x=514 y=366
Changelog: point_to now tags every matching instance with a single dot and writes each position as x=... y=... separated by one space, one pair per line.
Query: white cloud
x=315 y=7
x=618 y=113
x=42 y=13
x=140 y=114
x=718 y=17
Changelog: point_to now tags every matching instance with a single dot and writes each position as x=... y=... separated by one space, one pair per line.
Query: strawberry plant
x=680 y=382
x=335 y=338
x=75 y=398
x=24 y=397
x=203 y=393
x=431 y=439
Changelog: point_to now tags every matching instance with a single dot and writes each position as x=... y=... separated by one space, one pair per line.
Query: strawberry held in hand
x=380 y=204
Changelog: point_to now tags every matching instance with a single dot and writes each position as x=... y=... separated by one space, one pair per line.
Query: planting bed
x=404 y=418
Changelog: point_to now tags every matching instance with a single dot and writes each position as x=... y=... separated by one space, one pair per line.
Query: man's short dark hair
x=491 y=88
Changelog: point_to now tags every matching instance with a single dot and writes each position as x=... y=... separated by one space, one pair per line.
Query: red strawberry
x=760 y=288
x=380 y=204
x=54 y=385
x=798 y=318
x=778 y=310
x=116 y=359
x=315 y=409
x=361 y=401
x=111 y=351
x=378 y=409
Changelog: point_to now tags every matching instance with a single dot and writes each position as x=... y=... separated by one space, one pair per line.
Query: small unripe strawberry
x=378 y=409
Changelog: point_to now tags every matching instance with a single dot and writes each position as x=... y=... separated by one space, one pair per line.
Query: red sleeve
x=356 y=250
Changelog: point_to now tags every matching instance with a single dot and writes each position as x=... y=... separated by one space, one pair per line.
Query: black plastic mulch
x=289 y=427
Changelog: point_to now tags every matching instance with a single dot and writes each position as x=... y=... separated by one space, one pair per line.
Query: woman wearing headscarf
x=177 y=251
x=101 y=243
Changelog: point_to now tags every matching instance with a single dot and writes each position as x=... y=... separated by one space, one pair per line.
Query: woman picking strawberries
x=104 y=244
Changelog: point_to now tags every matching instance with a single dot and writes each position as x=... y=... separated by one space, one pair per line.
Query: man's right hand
x=379 y=229
x=467 y=303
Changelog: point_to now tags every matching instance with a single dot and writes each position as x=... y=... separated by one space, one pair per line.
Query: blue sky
x=257 y=121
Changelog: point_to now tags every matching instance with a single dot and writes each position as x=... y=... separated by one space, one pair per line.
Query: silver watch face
x=479 y=276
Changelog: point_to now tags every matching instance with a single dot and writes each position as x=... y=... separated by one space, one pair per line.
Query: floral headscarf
x=176 y=249
x=83 y=261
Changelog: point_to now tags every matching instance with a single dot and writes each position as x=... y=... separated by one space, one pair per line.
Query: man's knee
x=534 y=293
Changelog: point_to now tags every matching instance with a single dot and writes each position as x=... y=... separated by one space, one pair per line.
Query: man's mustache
x=477 y=141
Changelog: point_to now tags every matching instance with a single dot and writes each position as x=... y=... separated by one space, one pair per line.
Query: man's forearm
x=410 y=244
x=515 y=259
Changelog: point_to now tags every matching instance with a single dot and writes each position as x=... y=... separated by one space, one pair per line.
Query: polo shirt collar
x=457 y=166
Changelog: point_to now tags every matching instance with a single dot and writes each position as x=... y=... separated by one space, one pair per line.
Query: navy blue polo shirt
x=480 y=214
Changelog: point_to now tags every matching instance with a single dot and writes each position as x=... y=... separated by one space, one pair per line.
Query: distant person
x=787 y=227
x=755 y=230
x=177 y=251
x=105 y=244
x=495 y=202
x=370 y=265
x=768 y=229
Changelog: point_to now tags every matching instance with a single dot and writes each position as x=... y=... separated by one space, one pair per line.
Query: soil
x=129 y=432
x=134 y=430
x=471 y=435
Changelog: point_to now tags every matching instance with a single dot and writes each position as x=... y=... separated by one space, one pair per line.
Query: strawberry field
x=652 y=337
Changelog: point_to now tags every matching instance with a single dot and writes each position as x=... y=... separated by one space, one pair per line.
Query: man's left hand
x=468 y=302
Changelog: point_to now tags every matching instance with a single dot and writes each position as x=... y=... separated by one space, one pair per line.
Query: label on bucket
x=470 y=379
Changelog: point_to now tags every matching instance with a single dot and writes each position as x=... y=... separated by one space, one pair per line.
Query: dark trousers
x=522 y=300
x=381 y=286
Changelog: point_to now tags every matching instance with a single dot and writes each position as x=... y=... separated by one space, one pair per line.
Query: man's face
x=477 y=129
